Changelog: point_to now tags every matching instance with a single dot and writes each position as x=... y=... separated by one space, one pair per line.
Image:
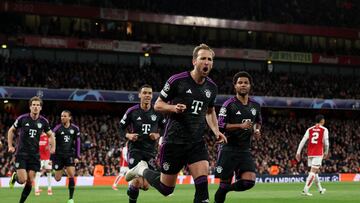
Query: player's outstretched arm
x=163 y=107
x=10 y=136
x=52 y=141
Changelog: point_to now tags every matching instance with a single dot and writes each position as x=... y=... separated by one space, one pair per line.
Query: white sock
x=37 y=179
x=49 y=180
x=317 y=182
x=309 y=181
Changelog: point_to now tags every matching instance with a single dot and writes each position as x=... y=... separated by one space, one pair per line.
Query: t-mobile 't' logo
x=196 y=106
x=32 y=133
x=146 y=128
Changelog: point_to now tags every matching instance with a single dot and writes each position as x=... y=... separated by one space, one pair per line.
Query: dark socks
x=201 y=189
x=153 y=177
x=71 y=187
x=220 y=194
x=133 y=194
x=25 y=193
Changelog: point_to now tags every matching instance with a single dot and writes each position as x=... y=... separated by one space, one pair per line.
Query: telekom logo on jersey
x=196 y=106
x=146 y=128
x=32 y=133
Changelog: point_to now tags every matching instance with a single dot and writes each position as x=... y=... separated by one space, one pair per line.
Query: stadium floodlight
x=4 y=46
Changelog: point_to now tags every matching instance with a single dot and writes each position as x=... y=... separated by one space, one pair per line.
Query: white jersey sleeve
x=303 y=141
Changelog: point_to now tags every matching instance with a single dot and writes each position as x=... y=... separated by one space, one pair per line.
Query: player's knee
x=242 y=185
x=57 y=178
x=21 y=180
x=166 y=190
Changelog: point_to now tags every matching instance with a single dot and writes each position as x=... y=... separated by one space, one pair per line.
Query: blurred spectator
x=278 y=144
x=36 y=73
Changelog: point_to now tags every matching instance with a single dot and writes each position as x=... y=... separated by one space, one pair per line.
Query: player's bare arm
x=257 y=130
x=132 y=136
x=52 y=141
x=164 y=107
x=11 y=134
x=212 y=121
x=154 y=136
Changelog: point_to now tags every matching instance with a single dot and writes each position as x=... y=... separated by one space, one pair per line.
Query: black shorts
x=173 y=157
x=135 y=156
x=27 y=162
x=61 y=161
x=230 y=162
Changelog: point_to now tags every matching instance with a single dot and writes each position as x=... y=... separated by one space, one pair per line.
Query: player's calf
x=242 y=185
x=133 y=193
x=201 y=187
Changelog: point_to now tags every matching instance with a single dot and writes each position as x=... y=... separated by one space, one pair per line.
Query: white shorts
x=46 y=164
x=315 y=161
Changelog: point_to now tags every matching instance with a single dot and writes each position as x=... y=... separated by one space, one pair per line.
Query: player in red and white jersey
x=318 y=148
x=123 y=166
x=46 y=165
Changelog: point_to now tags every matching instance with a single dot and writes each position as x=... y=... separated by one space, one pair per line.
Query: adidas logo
x=139 y=118
x=27 y=124
x=189 y=91
x=238 y=113
x=62 y=133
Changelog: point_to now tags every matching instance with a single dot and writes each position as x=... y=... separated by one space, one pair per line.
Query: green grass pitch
x=262 y=193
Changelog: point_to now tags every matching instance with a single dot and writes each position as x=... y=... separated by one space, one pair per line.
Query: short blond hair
x=202 y=46
x=35 y=98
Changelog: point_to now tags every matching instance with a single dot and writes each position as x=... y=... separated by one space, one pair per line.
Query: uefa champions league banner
x=295 y=178
x=187 y=179
x=131 y=97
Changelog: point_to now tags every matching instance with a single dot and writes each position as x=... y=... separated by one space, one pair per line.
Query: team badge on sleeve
x=253 y=111
x=222 y=111
x=166 y=87
x=207 y=93
x=123 y=119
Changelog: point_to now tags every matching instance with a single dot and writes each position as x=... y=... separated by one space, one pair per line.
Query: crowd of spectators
x=281 y=135
x=38 y=73
x=343 y=13
x=335 y=13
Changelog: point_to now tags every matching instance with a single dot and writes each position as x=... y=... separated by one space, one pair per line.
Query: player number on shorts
x=314 y=137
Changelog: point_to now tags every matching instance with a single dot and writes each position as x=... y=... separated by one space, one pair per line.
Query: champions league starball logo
x=320 y=104
x=86 y=95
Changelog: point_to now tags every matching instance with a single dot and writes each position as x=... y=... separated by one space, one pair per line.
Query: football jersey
x=234 y=112
x=188 y=126
x=29 y=135
x=44 y=147
x=142 y=122
x=67 y=140
x=316 y=135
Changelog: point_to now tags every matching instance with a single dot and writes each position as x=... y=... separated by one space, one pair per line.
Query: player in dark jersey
x=188 y=98
x=67 y=152
x=143 y=125
x=239 y=119
x=27 y=158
